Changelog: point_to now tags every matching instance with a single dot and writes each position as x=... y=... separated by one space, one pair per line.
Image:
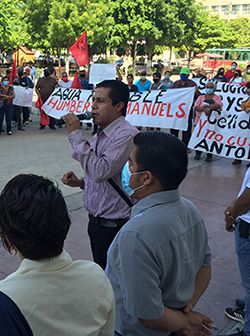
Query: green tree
x=12 y=25
x=240 y=30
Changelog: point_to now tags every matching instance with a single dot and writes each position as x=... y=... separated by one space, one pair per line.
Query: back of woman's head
x=33 y=217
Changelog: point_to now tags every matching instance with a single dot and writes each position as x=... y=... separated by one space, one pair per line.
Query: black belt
x=110 y=223
x=244 y=228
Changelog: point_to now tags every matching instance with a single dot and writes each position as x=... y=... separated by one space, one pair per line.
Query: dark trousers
x=26 y=113
x=17 y=115
x=198 y=153
x=101 y=233
x=51 y=122
x=186 y=135
x=6 y=110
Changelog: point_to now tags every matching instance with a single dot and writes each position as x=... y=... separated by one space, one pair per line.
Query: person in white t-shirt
x=237 y=218
x=237 y=79
x=56 y=295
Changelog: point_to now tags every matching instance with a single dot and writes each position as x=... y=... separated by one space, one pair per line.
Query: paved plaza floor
x=211 y=186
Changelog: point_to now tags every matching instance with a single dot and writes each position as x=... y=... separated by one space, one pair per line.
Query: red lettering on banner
x=229 y=141
x=161 y=114
x=67 y=104
x=168 y=111
x=146 y=107
x=136 y=108
x=59 y=105
x=73 y=106
x=155 y=109
x=129 y=107
x=52 y=102
x=200 y=125
x=79 y=106
x=209 y=134
x=218 y=137
x=86 y=106
x=181 y=113
x=244 y=142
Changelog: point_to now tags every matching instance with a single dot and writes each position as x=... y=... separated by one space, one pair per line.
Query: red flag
x=80 y=51
x=13 y=72
x=76 y=84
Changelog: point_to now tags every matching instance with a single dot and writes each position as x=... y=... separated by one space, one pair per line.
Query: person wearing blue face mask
x=146 y=261
x=207 y=103
x=6 y=107
x=184 y=82
x=230 y=72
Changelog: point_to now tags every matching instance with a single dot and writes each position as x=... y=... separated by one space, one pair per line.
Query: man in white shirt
x=237 y=217
x=56 y=295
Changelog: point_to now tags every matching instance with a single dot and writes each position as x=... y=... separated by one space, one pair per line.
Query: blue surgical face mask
x=5 y=83
x=126 y=175
x=233 y=67
x=209 y=91
x=184 y=77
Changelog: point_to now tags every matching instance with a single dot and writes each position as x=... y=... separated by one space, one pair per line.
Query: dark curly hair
x=33 y=217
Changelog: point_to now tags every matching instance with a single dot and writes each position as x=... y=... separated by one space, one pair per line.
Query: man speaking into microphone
x=102 y=159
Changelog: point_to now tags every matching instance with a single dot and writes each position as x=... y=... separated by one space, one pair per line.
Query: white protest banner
x=232 y=95
x=223 y=134
x=100 y=72
x=23 y=96
x=63 y=101
x=166 y=109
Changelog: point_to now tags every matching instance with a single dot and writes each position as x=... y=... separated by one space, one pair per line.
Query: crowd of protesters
x=156 y=272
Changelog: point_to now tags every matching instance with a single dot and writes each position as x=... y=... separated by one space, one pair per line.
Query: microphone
x=85 y=116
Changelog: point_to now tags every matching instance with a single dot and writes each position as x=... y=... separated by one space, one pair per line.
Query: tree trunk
x=67 y=61
x=59 y=60
x=134 y=53
x=190 y=52
x=170 y=55
x=149 y=61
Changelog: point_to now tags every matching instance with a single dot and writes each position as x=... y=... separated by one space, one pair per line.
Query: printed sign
x=23 y=96
x=100 y=72
x=223 y=134
x=166 y=109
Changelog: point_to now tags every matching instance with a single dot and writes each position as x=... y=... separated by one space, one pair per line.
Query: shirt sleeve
x=198 y=102
x=218 y=100
x=101 y=167
x=139 y=277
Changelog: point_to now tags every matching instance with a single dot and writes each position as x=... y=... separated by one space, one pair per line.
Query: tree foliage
x=118 y=24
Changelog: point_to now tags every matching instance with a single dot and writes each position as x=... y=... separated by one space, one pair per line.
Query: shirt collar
x=47 y=265
x=155 y=199
x=109 y=130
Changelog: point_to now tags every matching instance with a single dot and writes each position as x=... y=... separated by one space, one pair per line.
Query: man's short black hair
x=234 y=63
x=33 y=217
x=119 y=92
x=164 y=155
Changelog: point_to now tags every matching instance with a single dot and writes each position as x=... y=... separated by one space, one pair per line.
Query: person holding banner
x=184 y=82
x=143 y=83
x=102 y=159
x=6 y=107
x=207 y=103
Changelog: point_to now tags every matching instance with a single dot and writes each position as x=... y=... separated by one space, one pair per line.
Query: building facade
x=228 y=9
